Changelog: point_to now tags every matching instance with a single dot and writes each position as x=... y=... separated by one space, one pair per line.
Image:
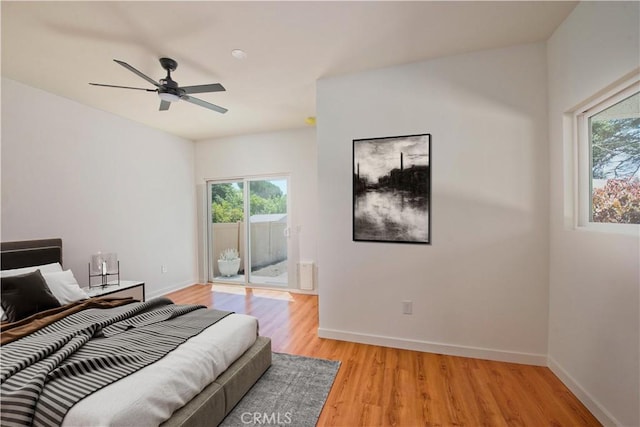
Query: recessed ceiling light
x=239 y=54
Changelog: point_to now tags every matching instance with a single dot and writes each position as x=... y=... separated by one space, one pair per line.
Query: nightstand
x=126 y=288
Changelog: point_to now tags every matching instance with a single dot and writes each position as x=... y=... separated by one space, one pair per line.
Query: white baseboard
x=265 y=287
x=169 y=289
x=587 y=400
x=431 y=347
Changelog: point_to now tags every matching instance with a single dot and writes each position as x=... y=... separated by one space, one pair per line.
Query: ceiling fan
x=168 y=89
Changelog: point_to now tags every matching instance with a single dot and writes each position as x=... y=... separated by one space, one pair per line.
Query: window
x=609 y=163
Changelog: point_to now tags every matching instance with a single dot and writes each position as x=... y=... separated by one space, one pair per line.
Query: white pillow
x=64 y=286
x=46 y=268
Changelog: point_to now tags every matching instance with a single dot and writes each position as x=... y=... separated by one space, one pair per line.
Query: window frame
x=583 y=159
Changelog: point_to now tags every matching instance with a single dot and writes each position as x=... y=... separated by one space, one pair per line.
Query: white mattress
x=149 y=397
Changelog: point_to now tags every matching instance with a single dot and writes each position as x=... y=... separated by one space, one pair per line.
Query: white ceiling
x=61 y=46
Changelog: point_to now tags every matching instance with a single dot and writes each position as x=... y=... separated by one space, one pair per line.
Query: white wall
x=292 y=153
x=594 y=276
x=481 y=288
x=99 y=182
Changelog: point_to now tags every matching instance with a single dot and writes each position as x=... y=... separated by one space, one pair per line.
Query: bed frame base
x=212 y=404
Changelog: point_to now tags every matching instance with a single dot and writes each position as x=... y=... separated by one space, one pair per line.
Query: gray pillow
x=24 y=295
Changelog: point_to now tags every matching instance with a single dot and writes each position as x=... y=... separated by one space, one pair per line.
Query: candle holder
x=103 y=266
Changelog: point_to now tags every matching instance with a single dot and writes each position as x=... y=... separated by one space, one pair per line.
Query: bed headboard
x=26 y=253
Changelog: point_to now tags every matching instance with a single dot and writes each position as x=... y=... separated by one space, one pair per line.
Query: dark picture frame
x=392 y=189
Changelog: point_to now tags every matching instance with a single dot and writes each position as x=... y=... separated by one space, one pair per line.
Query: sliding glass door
x=268 y=232
x=249 y=249
x=226 y=231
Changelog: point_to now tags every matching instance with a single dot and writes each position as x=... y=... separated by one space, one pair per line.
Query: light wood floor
x=379 y=386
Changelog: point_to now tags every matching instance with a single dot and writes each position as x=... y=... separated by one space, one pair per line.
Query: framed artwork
x=392 y=189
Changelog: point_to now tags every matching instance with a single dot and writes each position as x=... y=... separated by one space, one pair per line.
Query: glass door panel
x=226 y=231
x=268 y=232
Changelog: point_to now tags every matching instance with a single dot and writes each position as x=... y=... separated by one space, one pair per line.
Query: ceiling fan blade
x=204 y=104
x=164 y=105
x=124 y=87
x=133 y=70
x=215 y=87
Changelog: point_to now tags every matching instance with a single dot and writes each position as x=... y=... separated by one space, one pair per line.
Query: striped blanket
x=45 y=373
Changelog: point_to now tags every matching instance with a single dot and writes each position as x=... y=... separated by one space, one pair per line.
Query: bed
x=204 y=404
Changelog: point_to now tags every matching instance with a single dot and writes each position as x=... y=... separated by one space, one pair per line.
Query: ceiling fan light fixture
x=169 y=97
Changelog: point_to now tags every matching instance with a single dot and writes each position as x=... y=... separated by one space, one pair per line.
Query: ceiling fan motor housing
x=169 y=84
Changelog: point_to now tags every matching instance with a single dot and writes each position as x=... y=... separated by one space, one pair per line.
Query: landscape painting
x=392 y=189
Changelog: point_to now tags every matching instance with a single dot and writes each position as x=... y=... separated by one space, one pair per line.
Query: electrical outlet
x=407 y=307
x=163 y=269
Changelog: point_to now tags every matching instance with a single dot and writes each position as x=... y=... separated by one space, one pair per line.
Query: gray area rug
x=291 y=393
